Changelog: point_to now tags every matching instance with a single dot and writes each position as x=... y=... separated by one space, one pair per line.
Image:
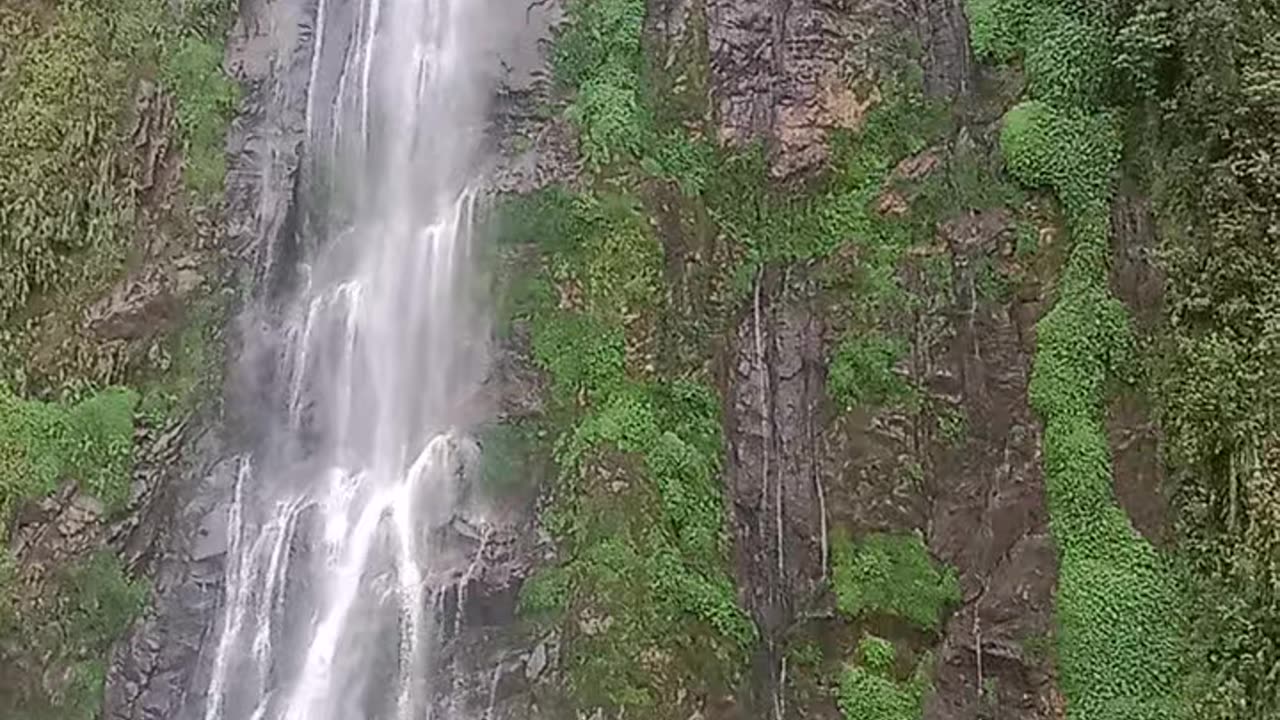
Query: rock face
x=775 y=391
x=791 y=72
x=177 y=544
x=798 y=472
x=179 y=537
x=988 y=516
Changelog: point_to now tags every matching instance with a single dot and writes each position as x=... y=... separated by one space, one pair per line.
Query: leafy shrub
x=205 y=101
x=582 y=354
x=42 y=443
x=862 y=372
x=998 y=28
x=894 y=575
x=877 y=653
x=1067 y=64
x=870 y=692
x=599 y=56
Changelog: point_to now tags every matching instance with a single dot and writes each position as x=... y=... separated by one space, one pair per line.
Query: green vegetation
x=642 y=589
x=43 y=443
x=892 y=575
x=877 y=654
x=1213 y=141
x=599 y=57
x=189 y=368
x=643 y=547
x=67 y=76
x=71 y=174
x=862 y=372
x=206 y=101
x=770 y=225
x=93 y=605
x=1116 y=602
x=869 y=690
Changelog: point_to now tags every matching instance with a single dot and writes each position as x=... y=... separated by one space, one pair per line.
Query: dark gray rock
x=176 y=537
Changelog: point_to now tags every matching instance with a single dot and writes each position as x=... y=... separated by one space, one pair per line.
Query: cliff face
x=815 y=288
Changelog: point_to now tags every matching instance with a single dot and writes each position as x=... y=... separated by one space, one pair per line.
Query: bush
x=205 y=100
x=862 y=372
x=870 y=692
x=599 y=56
x=877 y=653
x=42 y=443
x=892 y=575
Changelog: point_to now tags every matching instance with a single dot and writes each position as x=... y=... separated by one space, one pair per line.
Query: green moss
x=892 y=575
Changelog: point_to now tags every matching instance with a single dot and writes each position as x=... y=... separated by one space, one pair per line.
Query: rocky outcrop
x=177 y=542
x=792 y=72
x=944 y=35
x=988 y=517
x=962 y=469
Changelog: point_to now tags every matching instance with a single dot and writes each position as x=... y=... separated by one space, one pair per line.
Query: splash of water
x=335 y=556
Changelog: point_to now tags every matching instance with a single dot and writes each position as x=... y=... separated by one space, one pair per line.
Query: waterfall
x=338 y=527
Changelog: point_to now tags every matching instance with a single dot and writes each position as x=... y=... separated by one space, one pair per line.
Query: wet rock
x=1132 y=433
x=944 y=34
x=989 y=518
x=536 y=663
x=774 y=485
x=177 y=536
x=534 y=147
x=151 y=669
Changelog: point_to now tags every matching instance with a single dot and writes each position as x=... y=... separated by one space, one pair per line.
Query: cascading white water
x=334 y=558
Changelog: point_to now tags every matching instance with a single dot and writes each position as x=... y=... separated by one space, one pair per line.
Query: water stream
x=336 y=562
